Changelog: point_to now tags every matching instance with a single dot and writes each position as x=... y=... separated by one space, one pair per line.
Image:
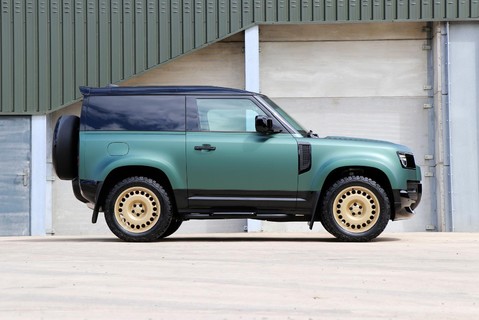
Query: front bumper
x=405 y=201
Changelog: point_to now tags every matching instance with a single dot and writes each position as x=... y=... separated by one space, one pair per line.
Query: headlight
x=407 y=160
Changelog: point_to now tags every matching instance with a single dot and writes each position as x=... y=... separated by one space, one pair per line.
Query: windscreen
x=292 y=122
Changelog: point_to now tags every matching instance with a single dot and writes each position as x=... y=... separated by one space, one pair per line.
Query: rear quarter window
x=134 y=113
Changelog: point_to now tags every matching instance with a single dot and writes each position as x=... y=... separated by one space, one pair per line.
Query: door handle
x=25 y=176
x=206 y=147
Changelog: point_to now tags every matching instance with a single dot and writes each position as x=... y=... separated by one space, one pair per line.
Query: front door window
x=227 y=115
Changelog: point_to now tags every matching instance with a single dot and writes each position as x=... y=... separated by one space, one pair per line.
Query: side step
x=245 y=215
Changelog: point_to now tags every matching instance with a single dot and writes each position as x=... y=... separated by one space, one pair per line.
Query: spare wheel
x=65 y=147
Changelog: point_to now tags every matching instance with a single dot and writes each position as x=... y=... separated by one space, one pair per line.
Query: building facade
x=404 y=71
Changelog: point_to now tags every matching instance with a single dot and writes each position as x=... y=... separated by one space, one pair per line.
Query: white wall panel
x=220 y=64
x=343 y=69
x=354 y=80
x=464 y=125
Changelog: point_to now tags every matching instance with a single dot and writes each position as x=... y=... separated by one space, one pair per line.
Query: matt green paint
x=144 y=149
x=260 y=157
x=242 y=161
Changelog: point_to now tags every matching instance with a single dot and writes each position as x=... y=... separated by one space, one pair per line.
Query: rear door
x=230 y=165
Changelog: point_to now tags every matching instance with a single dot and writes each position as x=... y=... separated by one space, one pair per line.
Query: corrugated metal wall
x=50 y=47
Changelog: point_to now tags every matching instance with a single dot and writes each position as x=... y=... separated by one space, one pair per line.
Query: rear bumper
x=86 y=190
x=77 y=190
x=405 y=201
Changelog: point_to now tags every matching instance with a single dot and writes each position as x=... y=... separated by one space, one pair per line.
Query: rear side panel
x=102 y=152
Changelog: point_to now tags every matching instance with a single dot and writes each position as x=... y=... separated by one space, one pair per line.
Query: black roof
x=161 y=90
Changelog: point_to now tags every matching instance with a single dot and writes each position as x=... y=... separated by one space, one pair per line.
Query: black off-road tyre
x=355 y=209
x=65 y=147
x=173 y=227
x=138 y=209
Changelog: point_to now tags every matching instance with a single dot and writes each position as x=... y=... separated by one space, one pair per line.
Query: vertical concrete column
x=464 y=124
x=251 y=57
x=38 y=202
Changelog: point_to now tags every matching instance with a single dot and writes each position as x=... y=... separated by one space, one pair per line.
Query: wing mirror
x=264 y=125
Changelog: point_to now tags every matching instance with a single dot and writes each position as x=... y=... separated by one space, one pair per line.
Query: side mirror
x=264 y=124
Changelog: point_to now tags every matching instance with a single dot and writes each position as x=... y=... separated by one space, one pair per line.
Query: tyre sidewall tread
x=173 y=227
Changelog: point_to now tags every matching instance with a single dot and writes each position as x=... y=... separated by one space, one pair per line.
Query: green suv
x=153 y=157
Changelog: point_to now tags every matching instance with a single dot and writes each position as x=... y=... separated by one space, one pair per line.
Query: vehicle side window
x=135 y=113
x=233 y=115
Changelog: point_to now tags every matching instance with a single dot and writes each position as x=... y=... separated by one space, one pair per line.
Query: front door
x=14 y=176
x=232 y=166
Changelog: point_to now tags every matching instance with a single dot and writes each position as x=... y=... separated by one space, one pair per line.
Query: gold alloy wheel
x=356 y=209
x=137 y=209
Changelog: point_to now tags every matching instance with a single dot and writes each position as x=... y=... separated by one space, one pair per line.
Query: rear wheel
x=355 y=209
x=138 y=209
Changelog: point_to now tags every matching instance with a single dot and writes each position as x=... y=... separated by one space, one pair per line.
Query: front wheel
x=355 y=208
x=138 y=209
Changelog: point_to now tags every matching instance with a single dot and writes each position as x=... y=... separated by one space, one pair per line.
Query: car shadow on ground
x=193 y=238
x=265 y=239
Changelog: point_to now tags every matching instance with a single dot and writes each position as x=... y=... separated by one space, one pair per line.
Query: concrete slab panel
x=220 y=64
x=343 y=69
x=398 y=119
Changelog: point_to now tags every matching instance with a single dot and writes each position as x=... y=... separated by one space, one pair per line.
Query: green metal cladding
x=50 y=47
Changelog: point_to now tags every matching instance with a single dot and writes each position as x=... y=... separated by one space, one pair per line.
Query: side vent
x=304 y=157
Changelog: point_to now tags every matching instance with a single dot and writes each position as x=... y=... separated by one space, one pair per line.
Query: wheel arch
x=375 y=174
x=121 y=173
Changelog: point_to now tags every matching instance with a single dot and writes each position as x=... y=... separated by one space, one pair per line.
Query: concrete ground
x=241 y=276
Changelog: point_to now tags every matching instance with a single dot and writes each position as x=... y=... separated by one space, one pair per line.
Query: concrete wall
x=221 y=64
x=70 y=216
x=361 y=80
x=354 y=80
